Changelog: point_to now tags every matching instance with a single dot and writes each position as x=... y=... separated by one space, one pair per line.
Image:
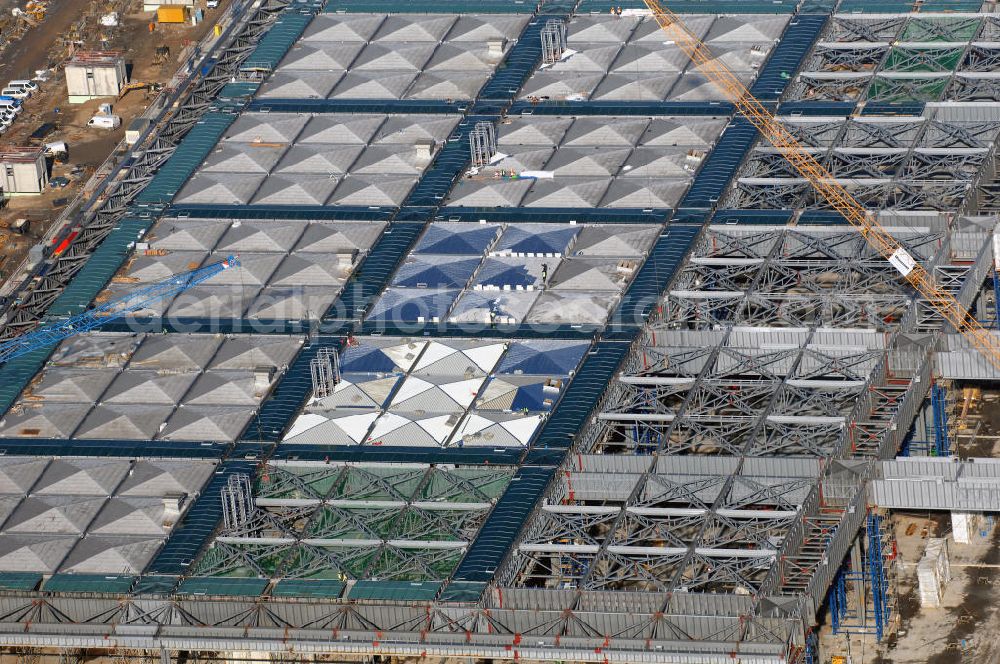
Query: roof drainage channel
x=384 y=454
x=634 y=108
x=203 y=517
x=721 y=165
x=111 y=448
x=281 y=212
x=787 y=56
x=412 y=106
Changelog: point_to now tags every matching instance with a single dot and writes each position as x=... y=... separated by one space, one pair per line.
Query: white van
x=23 y=83
x=9 y=106
x=105 y=121
x=16 y=93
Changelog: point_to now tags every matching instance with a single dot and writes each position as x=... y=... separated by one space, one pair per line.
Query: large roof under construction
x=536 y=349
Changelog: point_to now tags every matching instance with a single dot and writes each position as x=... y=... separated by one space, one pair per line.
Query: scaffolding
x=325 y=372
x=553 y=37
x=482 y=144
x=237 y=503
x=862 y=596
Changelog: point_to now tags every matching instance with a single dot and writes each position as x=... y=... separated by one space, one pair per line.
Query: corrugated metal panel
x=787 y=56
x=965 y=365
x=411 y=591
x=652 y=279
x=721 y=165
x=19 y=580
x=324 y=588
x=222 y=586
x=88 y=583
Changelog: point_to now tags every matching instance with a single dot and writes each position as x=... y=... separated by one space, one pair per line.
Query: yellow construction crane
x=820 y=178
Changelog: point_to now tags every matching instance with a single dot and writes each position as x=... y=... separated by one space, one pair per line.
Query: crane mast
x=109 y=311
x=824 y=182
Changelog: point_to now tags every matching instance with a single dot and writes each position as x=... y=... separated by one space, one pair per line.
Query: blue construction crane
x=109 y=311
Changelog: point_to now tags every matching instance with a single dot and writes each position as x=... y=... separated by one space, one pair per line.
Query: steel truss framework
x=934 y=162
x=924 y=57
x=116 y=201
x=709 y=465
x=402 y=522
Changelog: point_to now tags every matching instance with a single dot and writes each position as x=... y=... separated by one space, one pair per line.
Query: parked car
x=58 y=182
x=42 y=132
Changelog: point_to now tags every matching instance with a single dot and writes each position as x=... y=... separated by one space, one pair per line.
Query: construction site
x=549 y=331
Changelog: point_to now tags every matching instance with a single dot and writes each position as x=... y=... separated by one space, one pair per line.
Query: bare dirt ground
x=45 y=46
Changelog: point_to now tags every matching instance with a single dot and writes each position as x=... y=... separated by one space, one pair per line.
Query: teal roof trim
x=318 y=588
x=403 y=591
x=89 y=583
x=19 y=580
x=231 y=587
x=186 y=158
x=275 y=44
x=434 y=6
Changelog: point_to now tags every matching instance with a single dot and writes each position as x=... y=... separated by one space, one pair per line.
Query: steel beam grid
x=113 y=203
x=400 y=522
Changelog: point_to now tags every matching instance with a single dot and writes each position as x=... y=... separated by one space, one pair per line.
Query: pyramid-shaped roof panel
x=650 y=31
x=300 y=84
x=600 y=28
x=575 y=192
x=48 y=420
x=162 y=477
x=321 y=56
x=340 y=237
x=220 y=188
x=543 y=357
x=522 y=159
x=19 y=474
x=569 y=308
x=547 y=131
x=255 y=268
x=587 y=161
x=514 y=272
x=341 y=129
x=480 y=28
x=99 y=349
x=207 y=423
x=390 y=159
x=281 y=303
x=296 y=189
x=457 y=238
x=374 y=85
x=340 y=430
x=561 y=86
x=489 y=307
x=435 y=394
x=254 y=235
x=593 y=58
x=447 y=84
x=761 y=28
x=498 y=429
x=381 y=356
x=226 y=388
x=82 y=477
x=649 y=57
x=392 y=56
x=187 y=234
x=34 y=553
x=415 y=28
x=686 y=132
x=408 y=129
x=658 y=162
x=595 y=131
x=243 y=158
x=519 y=394
x=468 y=57
x=144 y=386
x=343 y=27
x=134 y=516
x=250 y=352
x=222 y=301
x=433 y=271
x=176 y=351
x=489 y=193
x=615 y=241
x=459 y=357
x=313 y=270
x=643 y=193
x=322 y=158
x=96 y=554
x=590 y=275
x=413 y=305
x=644 y=87
x=360 y=391
x=147 y=269
x=266 y=128
x=54 y=514
x=414 y=431
x=123 y=422
x=71 y=385
x=390 y=190
x=537 y=238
